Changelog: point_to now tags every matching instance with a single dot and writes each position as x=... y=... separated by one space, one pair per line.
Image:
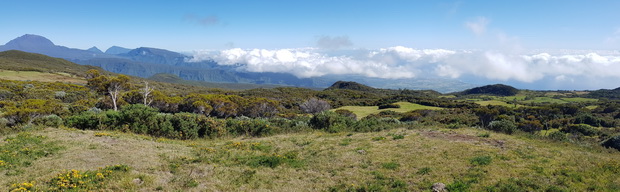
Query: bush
x=346 y=113
x=612 y=142
x=375 y=124
x=503 y=126
x=249 y=127
x=138 y=117
x=581 y=129
x=391 y=105
x=558 y=136
x=331 y=122
x=49 y=121
x=84 y=120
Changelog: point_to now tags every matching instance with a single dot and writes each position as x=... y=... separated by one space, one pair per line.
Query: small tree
x=146 y=92
x=314 y=106
x=116 y=86
x=110 y=85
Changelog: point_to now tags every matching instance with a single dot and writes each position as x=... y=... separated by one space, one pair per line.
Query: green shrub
x=391 y=105
x=503 y=126
x=49 y=121
x=85 y=120
x=186 y=125
x=138 y=117
x=581 y=129
x=558 y=136
x=249 y=127
x=373 y=124
x=612 y=142
x=331 y=122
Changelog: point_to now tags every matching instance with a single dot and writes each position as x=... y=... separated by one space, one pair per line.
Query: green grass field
x=393 y=160
x=363 y=111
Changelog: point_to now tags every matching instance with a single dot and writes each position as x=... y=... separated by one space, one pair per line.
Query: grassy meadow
x=363 y=111
x=406 y=159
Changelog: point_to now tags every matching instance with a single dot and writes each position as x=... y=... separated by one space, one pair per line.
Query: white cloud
x=478 y=26
x=405 y=62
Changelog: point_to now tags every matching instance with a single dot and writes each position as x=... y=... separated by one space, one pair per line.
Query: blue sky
x=190 y=25
x=536 y=44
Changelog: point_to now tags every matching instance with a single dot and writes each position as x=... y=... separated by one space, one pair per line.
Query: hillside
x=24 y=61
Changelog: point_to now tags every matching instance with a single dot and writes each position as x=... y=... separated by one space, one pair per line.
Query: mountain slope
x=24 y=61
x=42 y=45
x=115 y=50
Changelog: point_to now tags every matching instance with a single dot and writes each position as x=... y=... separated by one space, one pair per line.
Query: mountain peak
x=29 y=41
x=115 y=50
x=94 y=49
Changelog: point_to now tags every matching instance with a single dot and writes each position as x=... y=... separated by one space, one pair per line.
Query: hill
x=351 y=86
x=497 y=89
x=605 y=93
x=24 y=61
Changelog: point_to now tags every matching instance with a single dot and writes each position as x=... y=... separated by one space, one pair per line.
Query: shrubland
x=262 y=139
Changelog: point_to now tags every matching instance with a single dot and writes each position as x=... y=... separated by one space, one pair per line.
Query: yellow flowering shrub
x=86 y=180
x=25 y=186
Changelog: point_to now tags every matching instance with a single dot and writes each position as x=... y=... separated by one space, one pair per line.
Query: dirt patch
x=456 y=137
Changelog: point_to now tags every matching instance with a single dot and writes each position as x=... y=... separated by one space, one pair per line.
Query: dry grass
x=339 y=161
x=39 y=76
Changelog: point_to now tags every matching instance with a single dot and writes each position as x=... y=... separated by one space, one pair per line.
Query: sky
x=548 y=44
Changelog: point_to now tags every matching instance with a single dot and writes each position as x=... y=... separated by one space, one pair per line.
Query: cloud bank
x=404 y=62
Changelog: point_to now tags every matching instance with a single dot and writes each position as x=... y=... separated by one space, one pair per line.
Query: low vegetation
x=57 y=136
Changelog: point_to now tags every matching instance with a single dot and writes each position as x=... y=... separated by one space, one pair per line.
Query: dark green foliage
x=84 y=120
x=138 y=117
x=503 y=126
x=612 y=142
x=497 y=89
x=386 y=106
x=346 y=113
x=372 y=124
x=331 y=122
x=581 y=129
x=249 y=127
x=350 y=85
x=558 y=136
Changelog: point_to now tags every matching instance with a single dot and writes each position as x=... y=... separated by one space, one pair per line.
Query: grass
x=318 y=161
x=363 y=111
x=40 y=76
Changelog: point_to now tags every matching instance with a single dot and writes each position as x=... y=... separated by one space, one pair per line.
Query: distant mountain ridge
x=145 y=62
